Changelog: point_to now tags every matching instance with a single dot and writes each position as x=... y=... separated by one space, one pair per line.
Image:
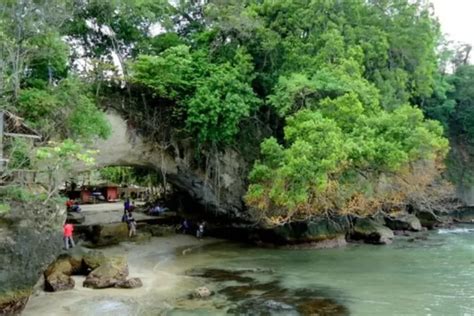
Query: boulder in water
x=403 y=221
x=463 y=214
x=277 y=306
x=371 y=232
x=428 y=219
x=58 y=282
x=108 y=274
x=58 y=275
x=312 y=231
x=61 y=265
x=132 y=283
x=202 y=292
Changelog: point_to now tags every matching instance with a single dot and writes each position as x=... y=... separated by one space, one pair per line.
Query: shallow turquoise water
x=430 y=276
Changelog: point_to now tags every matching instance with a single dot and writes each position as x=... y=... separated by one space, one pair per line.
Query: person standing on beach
x=68 y=229
x=132 y=225
x=200 y=230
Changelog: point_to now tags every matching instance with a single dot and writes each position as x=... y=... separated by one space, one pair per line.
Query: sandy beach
x=153 y=262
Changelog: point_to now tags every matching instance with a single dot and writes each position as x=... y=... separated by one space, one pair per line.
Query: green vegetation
x=346 y=100
x=131 y=175
x=38 y=84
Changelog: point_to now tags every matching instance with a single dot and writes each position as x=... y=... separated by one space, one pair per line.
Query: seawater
x=425 y=274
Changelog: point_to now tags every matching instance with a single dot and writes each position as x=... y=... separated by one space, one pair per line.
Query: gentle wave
x=455 y=230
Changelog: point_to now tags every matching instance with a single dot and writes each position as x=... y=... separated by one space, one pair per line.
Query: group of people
x=186 y=227
x=127 y=218
x=157 y=210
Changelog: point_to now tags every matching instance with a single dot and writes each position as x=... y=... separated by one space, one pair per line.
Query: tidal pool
x=426 y=274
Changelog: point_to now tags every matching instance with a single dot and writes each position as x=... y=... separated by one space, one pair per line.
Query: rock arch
x=221 y=194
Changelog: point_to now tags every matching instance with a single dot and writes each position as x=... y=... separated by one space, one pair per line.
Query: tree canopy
x=353 y=95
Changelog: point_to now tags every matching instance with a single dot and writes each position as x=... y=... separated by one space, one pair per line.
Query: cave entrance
x=145 y=186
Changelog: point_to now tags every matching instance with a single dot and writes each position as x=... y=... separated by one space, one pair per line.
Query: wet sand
x=152 y=261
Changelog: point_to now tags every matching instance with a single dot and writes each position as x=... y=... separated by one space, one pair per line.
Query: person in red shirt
x=68 y=228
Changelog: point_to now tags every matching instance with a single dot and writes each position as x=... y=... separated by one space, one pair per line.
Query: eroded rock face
x=30 y=238
x=14 y=302
x=57 y=276
x=428 y=219
x=371 y=231
x=316 y=230
x=403 y=221
x=219 y=194
x=464 y=214
x=58 y=281
x=109 y=234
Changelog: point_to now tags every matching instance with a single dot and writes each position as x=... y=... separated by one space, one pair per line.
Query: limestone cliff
x=30 y=238
x=217 y=183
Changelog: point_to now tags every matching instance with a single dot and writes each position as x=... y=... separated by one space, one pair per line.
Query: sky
x=456 y=18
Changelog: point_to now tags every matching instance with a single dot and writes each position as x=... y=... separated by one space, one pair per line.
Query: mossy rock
x=13 y=302
x=371 y=232
x=109 y=234
x=428 y=219
x=58 y=281
x=60 y=265
x=93 y=259
x=113 y=271
x=403 y=221
x=464 y=214
x=310 y=231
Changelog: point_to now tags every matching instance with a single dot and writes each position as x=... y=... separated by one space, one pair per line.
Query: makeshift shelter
x=106 y=192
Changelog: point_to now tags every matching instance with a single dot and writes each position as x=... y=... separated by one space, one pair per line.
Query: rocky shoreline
x=314 y=233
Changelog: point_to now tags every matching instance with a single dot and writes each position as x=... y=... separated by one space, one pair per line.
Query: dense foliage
x=341 y=87
x=35 y=81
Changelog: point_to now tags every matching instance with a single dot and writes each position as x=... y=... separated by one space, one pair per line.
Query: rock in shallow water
x=132 y=283
x=108 y=274
x=428 y=219
x=275 y=305
x=58 y=275
x=313 y=231
x=202 y=292
x=403 y=221
x=58 y=282
x=221 y=275
x=371 y=232
x=251 y=297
